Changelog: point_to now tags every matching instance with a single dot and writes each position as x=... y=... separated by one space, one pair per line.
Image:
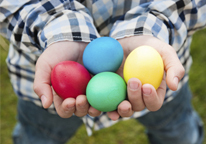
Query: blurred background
x=124 y=132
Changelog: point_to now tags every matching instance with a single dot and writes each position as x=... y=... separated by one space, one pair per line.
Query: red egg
x=69 y=79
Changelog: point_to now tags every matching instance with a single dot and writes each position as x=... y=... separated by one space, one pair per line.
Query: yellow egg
x=146 y=64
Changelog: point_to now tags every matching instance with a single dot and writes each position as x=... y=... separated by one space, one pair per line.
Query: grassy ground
x=125 y=132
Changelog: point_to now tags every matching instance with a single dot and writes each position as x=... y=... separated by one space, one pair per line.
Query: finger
x=113 y=115
x=125 y=109
x=174 y=75
x=42 y=84
x=161 y=91
x=82 y=106
x=65 y=108
x=154 y=99
x=93 y=112
x=173 y=67
x=135 y=94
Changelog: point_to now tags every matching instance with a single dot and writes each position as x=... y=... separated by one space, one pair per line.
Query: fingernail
x=176 y=81
x=133 y=85
x=147 y=91
x=43 y=100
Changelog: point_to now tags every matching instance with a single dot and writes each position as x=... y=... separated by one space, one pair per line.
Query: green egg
x=105 y=91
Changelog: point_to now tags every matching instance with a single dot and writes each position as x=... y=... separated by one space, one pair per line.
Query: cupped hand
x=55 y=53
x=146 y=96
x=139 y=96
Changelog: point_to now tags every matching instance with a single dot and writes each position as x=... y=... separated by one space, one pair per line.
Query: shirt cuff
x=146 y=24
x=72 y=26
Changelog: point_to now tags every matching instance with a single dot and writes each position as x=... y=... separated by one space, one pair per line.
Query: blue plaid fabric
x=31 y=26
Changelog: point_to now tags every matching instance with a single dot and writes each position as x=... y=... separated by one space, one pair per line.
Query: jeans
x=38 y=126
x=175 y=123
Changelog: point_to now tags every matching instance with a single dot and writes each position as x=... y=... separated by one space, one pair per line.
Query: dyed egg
x=105 y=91
x=103 y=54
x=69 y=79
x=146 y=64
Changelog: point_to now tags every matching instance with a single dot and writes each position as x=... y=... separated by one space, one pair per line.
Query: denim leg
x=37 y=126
x=175 y=123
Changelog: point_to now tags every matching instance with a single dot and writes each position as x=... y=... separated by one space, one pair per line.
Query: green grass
x=124 y=132
x=7 y=97
x=198 y=74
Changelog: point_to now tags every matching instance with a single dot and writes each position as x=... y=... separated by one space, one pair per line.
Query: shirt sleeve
x=170 y=21
x=34 y=25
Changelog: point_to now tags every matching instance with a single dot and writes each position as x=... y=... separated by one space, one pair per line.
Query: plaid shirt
x=31 y=26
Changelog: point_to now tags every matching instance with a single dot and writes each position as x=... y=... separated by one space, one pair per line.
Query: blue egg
x=103 y=54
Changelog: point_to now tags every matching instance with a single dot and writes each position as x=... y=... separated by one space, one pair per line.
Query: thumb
x=55 y=53
x=174 y=75
x=42 y=83
x=173 y=67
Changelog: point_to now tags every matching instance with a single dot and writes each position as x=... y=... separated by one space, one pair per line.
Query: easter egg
x=105 y=91
x=103 y=54
x=146 y=64
x=69 y=79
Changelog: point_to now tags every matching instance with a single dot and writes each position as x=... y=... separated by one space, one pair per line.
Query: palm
x=137 y=100
x=54 y=54
x=146 y=95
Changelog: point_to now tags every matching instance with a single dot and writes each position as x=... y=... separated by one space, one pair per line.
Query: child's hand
x=55 y=53
x=138 y=100
x=145 y=96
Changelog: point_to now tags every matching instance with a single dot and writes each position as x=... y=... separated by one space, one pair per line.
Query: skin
x=139 y=96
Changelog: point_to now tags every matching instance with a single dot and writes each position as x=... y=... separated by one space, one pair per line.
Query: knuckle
x=81 y=112
x=78 y=114
x=134 y=97
x=182 y=71
x=64 y=115
x=36 y=88
x=126 y=114
x=94 y=114
x=136 y=109
x=83 y=109
x=156 y=108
